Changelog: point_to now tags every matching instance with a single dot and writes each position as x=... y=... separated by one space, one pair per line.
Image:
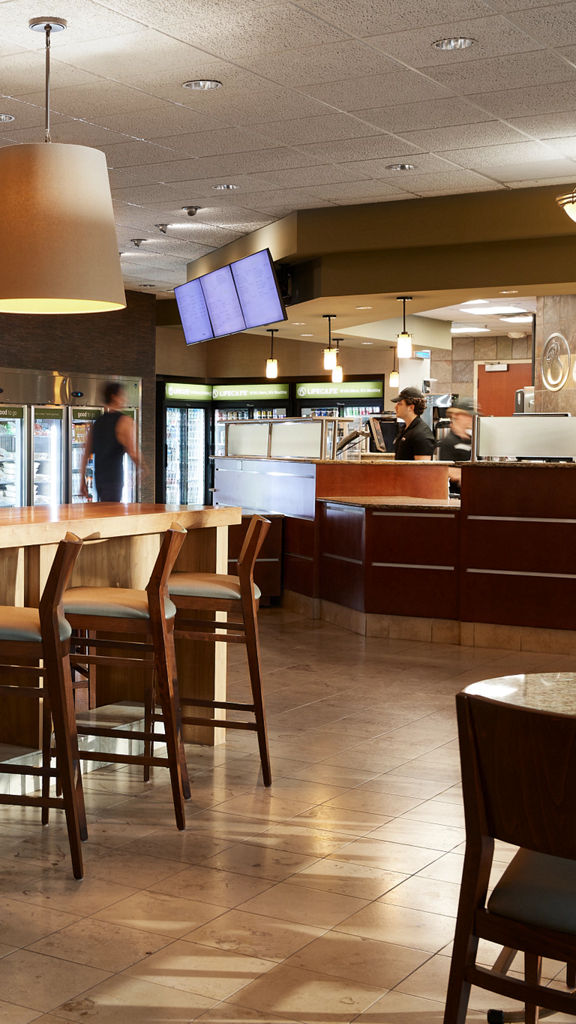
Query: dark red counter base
x=508 y=556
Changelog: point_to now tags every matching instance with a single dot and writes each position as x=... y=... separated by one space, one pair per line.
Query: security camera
x=191 y=210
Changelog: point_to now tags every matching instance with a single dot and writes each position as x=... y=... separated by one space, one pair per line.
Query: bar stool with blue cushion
x=119 y=614
x=194 y=592
x=28 y=635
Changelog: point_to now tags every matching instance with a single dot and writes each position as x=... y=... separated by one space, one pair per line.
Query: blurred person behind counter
x=456 y=446
x=415 y=441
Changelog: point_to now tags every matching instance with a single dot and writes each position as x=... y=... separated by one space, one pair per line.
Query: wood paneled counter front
x=123 y=556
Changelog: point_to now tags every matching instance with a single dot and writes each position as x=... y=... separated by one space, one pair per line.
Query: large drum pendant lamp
x=58 y=247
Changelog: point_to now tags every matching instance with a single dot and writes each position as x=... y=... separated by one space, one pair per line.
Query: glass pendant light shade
x=394 y=379
x=329 y=358
x=568 y=203
x=271 y=369
x=404 y=345
x=337 y=374
x=58 y=247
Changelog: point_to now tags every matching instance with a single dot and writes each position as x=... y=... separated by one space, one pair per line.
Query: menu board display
x=243 y=294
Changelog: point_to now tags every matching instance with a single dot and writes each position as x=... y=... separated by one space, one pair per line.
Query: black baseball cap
x=464 y=404
x=410 y=395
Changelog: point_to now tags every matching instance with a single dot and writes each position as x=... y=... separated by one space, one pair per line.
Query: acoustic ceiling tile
x=370 y=148
x=163 y=119
x=216 y=143
x=406 y=117
x=366 y=18
x=518 y=70
x=547 y=126
x=452 y=178
x=86 y=19
x=555 y=24
x=328 y=128
x=248 y=107
x=25 y=73
x=493 y=36
x=251 y=32
x=96 y=98
x=398 y=86
x=322 y=64
x=423 y=163
x=305 y=176
x=486 y=157
x=543 y=99
x=464 y=136
x=129 y=153
x=131 y=57
x=548 y=172
x=358 y=189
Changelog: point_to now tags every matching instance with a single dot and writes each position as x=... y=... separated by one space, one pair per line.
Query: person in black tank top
x=111 y=436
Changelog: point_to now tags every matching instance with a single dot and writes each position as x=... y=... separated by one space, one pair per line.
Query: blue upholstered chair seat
x=538 y=890
x=207 y=584
x=22 y=625
x=113 y=602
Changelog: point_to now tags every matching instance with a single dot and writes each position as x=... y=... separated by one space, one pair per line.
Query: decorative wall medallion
x=555 y=362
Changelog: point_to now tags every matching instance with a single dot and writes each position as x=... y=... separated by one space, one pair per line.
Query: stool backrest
x=253 y=541
x=51 y=610
x=518 y=775
x=157 y=586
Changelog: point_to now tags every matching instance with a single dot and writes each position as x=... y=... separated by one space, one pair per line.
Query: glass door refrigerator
x=246 y=402
x=48 y=453
x=357 y=399
x=81 y=421
x=12 y=456
x=130 y=482
x=183 y=431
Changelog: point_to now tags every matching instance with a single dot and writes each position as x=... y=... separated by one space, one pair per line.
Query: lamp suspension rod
x=329 y=317
x=48 y=30
x=271 y=331
x=404 y=299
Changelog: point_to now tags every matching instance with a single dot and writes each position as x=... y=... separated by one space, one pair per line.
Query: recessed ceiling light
x=509 y=291
x=5 y=118
x=191 y=210
x=399 y=167
x=476 y=302
x=364 y=307
x=468 y=329
x=225 y=188
x=138 y=241
x=202 y=84
x=298 y=323
x=367 y=342
x=306 y=335
x=453 y=43
x=518 y=318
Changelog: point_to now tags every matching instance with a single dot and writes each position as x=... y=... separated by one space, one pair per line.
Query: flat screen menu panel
x=256 y=285
x=228 y=300
x=193 y=312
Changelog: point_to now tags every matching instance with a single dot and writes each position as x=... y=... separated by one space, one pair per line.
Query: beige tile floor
x=327 y=899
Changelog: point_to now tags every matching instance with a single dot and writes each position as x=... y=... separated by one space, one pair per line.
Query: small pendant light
x=330 y=358
x=58 y=246
x=404 y=339
x=337 y=371
x=271 y=362
x=394 y=377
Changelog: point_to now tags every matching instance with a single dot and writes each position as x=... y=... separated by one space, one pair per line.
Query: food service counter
x=130 y=540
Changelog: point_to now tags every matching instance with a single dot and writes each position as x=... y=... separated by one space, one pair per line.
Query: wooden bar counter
x=128 y=542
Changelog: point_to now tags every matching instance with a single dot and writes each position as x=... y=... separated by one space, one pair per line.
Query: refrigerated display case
x=48 y=458
x=355 y=399
x=12 y=456
x=183 y=430
x=81 y=421
x=234 y=402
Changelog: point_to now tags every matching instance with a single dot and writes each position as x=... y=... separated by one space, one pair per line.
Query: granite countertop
x=375 y=461
x=522 y=464
x=396 y=502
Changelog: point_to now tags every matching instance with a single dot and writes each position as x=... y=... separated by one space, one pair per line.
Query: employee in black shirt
x=456 y=446
x=415 y=442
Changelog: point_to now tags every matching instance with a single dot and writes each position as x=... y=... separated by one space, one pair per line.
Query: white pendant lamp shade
x=271 y=369
x=58 y=247
x=337 y=374
x=329 y=358
x=404 y=345
x=568 y=203
x=394 y=379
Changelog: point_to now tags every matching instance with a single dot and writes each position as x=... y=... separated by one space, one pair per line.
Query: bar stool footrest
x=219 y=723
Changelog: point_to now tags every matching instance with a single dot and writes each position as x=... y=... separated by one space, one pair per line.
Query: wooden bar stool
x=213 y=592
x=121 y=613
x=28 y=635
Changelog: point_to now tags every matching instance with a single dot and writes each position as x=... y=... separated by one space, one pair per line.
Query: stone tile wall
x=454 y=371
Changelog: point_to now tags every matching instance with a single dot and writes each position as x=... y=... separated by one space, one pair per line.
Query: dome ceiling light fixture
x=469 y=329
x=400 y=167
x=452 y=43
x=191 y=210
x=518 y=318
x=58 y=245
x=567 y=203
x=404 y=339
x=6 y=118
x=224 y=188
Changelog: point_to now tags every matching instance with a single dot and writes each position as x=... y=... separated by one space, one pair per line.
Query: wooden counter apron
x=130 y=542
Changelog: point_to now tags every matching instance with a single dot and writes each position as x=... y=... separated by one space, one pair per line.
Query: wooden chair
x=194 y=592
x=121 y=614
x=519 y=781
x=29 y=635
